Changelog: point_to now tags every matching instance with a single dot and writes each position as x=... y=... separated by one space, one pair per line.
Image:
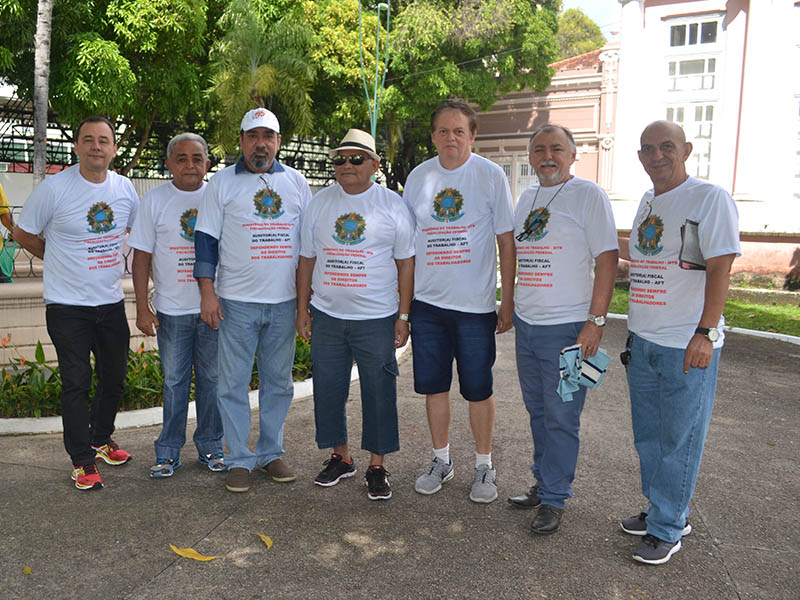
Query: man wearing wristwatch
x=675 y=325
x=357 y=254
x=566 y=244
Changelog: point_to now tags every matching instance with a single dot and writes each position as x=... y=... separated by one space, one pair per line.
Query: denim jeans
x=440 y=334
x=184 y=341
x=334 y=345
x=670 y=412
x=267 y=332
x=77 y=331
x=555 y=424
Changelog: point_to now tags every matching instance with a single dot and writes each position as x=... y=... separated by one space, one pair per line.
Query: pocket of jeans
x=392 y=368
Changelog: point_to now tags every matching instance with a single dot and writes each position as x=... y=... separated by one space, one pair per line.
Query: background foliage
x=199 y=64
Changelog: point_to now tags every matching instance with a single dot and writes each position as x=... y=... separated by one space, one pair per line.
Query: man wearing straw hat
x=357 y=255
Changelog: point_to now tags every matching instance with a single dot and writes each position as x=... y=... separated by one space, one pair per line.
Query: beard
x=259 y=159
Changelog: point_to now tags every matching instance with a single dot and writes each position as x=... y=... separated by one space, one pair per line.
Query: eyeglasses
x=355 y=159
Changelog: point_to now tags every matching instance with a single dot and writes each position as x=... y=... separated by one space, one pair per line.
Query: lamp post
x=381 y=57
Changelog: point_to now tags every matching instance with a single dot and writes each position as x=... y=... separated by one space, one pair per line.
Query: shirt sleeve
x=135 y=200
x=503 y=213
x=719 y=225
x=143 y=234
x=206 y=255
x=404 y=230
x=38 y=210
x=307 y=249
x=599 y=225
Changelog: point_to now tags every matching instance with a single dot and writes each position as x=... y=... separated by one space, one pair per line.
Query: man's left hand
x=505 y=316
x=698 y=353
x=589 y=339
x=400 y=333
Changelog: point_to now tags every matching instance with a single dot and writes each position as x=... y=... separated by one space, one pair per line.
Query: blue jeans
x=334 y=345
x=555 y=424
x=670 y=412
x=185 y=341
x=77 y=331
x=265 y=331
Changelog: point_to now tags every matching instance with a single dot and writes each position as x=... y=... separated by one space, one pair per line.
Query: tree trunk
x=140 y=148
x=41 y=77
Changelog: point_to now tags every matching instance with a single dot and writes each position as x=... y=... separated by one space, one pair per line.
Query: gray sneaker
x=434 y=476
x=484 y=486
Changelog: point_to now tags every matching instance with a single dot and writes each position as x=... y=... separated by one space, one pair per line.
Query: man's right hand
x=210 y=310
x=147 y=322
x=303 y=324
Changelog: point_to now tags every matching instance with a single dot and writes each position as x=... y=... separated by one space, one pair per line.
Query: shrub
x=33 y=388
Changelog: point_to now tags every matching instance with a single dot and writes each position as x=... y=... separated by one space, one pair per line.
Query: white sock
x=483 y=459
x=443 y=454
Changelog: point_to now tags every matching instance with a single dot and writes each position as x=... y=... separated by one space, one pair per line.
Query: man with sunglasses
x=462 y=206
x=248 y=226
x=675 y=332
x=567 y=262
x=357 y=255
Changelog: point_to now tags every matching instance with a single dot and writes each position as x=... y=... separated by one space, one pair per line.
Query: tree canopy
x=200 y=64
x=577 y=34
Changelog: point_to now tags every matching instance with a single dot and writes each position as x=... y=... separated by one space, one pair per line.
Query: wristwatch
x=711 y=334
x=403 y=316
x=599 y=320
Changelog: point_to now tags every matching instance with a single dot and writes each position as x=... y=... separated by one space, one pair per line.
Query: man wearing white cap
x=357 y=251
x=249 y=227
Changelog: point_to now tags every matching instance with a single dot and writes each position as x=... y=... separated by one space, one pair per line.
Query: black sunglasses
x=355 y=160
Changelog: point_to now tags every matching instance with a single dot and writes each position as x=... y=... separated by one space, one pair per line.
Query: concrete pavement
x=334 y=543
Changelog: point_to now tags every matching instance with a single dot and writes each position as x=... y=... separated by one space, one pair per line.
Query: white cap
x=260 y=117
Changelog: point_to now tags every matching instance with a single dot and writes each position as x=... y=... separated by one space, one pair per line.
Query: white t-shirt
x=457 y=214
x=84 y=224
x=256 y=218
x=555 y=277
x=356 y=239
x=165 y=229
x=666 y=302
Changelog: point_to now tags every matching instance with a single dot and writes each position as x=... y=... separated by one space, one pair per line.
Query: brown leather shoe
x=280 y=471
x=238 y=479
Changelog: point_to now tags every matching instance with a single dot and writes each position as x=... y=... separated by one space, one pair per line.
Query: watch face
x=598 y=320
x=713 y=334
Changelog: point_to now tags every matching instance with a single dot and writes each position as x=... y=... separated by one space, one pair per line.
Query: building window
x=691 y=74
x=687 y=34
x=697 y=121
x=526 y=177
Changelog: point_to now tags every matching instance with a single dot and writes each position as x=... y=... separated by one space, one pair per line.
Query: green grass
x=761 y=317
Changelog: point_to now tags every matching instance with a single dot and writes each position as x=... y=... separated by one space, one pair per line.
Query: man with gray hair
x=566 y=244
x=163 y=239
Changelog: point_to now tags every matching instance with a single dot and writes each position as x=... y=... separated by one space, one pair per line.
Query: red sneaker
x=87 y=477
x=111 y=453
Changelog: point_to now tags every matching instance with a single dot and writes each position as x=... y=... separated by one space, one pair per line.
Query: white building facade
x=728 y=71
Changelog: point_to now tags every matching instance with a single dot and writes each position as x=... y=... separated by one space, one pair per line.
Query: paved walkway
x=334 y=543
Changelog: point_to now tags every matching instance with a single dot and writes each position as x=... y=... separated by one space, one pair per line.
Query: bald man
x=684 y=239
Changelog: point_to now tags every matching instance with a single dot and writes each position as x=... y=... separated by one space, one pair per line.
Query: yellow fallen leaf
x=266 y=539
x=26 y=570
x=193 y=554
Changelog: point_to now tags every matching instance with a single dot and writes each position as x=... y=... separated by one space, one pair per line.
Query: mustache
x=548 y=163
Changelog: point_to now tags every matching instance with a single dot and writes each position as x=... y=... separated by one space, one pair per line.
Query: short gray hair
x=553 y=127
x=186 y=137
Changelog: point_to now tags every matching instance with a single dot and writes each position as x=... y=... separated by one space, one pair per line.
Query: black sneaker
x=655 y=551
x=637 y=525
x=378 y=487
x=335 y=469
